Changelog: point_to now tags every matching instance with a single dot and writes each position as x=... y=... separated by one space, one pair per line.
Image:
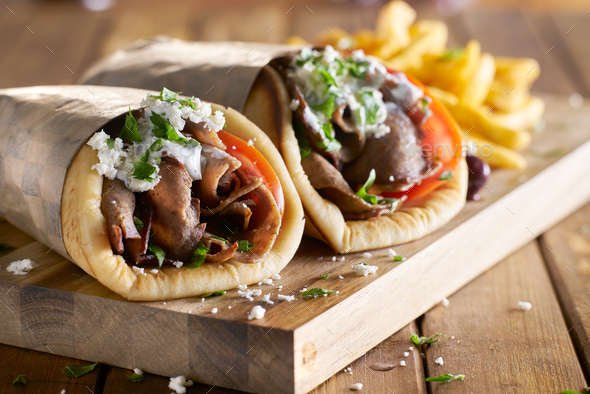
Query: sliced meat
x=216 y=164
x=144 y=212
x=399 y=90
x=251 y=185
x=117 y=206
x=397 y=153
x=331 y=185
x=352 y=139
x=176 y=215
x=219 y=251
x=240 y=208
x=203 y=134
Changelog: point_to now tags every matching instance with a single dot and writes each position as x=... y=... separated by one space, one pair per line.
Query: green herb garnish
x=111 y=143
x=142 y=170
x=398 y=258
x=20 y=379
x=445 y=378
x=426 y=340
x=316 y=292
x=75 y=371
x=245 y=246
x=157 y=251
x=214 y=294
x=586 y=390
x=371 y=105
x=166 y=95
x=445 y=176
x=189 y=103
x=135 y=378
x=425 y=101
x=328 y=78
x=329 y=144
x=138 y=223
x=163 y=129
x=324 y=276
x=326 y=108
x=362 y=192
x=452 y=54
x=198 y=257
x=6 y=247
x=221 y=239
x=130 y=131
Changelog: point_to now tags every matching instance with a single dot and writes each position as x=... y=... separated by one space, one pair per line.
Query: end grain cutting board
x=58 y=308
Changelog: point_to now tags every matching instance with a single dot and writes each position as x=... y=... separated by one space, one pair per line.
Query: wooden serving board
x=58 y=308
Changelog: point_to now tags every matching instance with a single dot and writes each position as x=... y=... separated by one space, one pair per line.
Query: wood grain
x=566 y=248
x=495 y=344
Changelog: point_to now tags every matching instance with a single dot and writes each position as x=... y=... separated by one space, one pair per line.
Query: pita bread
x=325 y=221
x=85 y=237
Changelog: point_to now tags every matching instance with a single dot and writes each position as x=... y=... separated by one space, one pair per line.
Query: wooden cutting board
x=60 y=309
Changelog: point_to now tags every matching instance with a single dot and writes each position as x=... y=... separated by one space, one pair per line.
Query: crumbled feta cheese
x=242 y=287
x=525 y=306
x=286 y=297
x=439 y=361
x=138 y=271
x=154 y=271
x=333 y=258
x=406 y=354
x=280 y=288
x=411 y=348
x=214 y=310
x=342 y=258
x=250 y=293
x=177 y=264
x=452 y=337
x=108 y=158
x=179 y=384
x=233 y=147
x=63 y=391
x=275 y=276
x=340 y=277
x=445 y=302
x=402 y=363
x=356 y=386
x=259 y=283
x=250 y=142
x=367 y=255
x=138 y=371
x=364 y=270
x=21 y=267
x=391 y=178
x=302 y=290
x=266 y=298
x=267 y=281
x=229 y=307
x=256 y=313
x=294 y=105
x=202 y=299
x=391 y=253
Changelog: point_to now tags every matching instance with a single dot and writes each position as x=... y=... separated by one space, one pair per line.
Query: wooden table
x=498 y=347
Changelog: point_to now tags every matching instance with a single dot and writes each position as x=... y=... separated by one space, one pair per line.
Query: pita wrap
x=51 y=192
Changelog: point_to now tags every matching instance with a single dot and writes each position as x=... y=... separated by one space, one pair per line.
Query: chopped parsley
x=138 y=223
x=166 y=95
x=327 y=107
x=371 y=106
x=316 y=292
x=214 y=294
x=398 y=258
x=198 y=257
x=157 y=251
x=445 y=378
x=221 y=239
x=425 y=101
x=445 y=176
x=190 y=103
x=130 y=131
x=324 y=276
x=144 y=171
x=163 y=129
x=245 y=246
x=111 y=143
x=586 y=390
x=425 y=340
x=135 y=378
x=75 y=371
x=6 y=247
x=362 y=192
x=20 y=379
x=329 y=144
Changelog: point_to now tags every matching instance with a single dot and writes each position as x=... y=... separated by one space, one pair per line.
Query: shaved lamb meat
x=397 y=154
x=216 y=164
x=117 y=206
x=201 y=133
x=144 y=211
x=352 y=139
x=176 y=215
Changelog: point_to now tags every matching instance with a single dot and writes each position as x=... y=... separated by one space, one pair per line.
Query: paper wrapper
x=219 y=72
x=41 y=130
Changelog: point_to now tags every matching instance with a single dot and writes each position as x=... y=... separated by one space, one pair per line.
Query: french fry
x=444 y=97
x=478 y=86
x=517 y=70
x=392 y=26
x=335 y=37
x=494 y=154
x=296 y=40
x=428 y=37
x=476 y=120
x=461 y=70
x=507 y=98
x=525 y=117
x=366 y=40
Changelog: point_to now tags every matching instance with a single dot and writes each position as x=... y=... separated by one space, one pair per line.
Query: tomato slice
x=442 y=139
x=254 y=164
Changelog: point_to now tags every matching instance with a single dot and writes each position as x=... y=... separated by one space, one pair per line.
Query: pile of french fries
x=488 y=96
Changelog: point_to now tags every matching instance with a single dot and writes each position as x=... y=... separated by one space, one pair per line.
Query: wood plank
x=312 y=339
x=508 y=34
x=498 y=346
x=566 y=248
x=44 y=373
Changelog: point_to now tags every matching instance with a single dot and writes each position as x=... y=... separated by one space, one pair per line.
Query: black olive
x=479 y=171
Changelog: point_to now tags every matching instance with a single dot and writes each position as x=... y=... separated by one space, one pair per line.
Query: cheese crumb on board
x=20 y=267
x=250 y=293
x=256 y=313
x=242 y=287
x=439 y=361
x=356 y=386
x=340 y=277
x=402 y=363
x=275 y=276
x=138 y=371
x=266 y=298
x=406 y=354
x=179 y=384
x=446 y=302
x=391 y=253
x=214 y=310
x=286 y=297
x=525 y=306
x=364 y=270
x=267 y=281
x=367 y=255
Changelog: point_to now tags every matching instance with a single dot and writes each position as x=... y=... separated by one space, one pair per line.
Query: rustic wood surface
x=53 y=43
